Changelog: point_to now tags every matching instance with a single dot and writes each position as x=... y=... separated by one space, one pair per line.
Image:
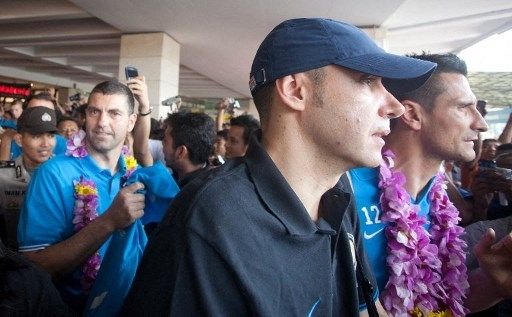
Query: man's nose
x=391 y=107
x=479 y=123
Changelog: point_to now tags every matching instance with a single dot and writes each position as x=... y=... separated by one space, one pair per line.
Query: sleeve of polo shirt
x=45 y=218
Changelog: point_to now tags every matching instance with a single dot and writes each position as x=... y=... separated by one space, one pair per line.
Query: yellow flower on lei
x=130 y=162
x=416 y=312
x=85 y=190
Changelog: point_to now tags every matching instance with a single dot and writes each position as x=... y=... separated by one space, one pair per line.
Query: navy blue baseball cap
x=299 y=45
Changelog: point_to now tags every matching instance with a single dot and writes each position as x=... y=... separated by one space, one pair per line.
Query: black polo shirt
x=240 y=243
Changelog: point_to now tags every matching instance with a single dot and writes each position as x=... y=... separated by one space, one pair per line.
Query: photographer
x=492 y=189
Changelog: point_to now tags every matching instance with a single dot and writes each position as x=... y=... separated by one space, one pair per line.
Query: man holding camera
x=274 y=233
x=9 y=149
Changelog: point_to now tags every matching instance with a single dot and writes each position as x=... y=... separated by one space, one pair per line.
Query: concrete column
x=157 y=57
x=379 y=35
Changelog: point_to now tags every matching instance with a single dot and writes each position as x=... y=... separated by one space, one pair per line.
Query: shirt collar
x=280 y=198
x=94 y=169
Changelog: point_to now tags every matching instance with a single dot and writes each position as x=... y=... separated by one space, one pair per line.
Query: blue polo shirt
x=47 y=214
x=366 y=191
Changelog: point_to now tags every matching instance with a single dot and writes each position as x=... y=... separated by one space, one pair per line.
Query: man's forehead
x=67 y=122
x=40 y=103
x=456 y=87
x=113 y=101
x=236 y=129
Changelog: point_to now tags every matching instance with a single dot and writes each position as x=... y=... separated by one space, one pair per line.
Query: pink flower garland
x=86 y=203
x=427 y=271
x=85 y=212
x=76 y=145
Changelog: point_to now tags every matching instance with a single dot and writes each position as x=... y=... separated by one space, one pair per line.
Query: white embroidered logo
x=46 y=117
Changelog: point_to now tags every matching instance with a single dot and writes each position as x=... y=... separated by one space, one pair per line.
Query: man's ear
x=292 y=90
x=412 y=116
x=132 y=119
x=181 y=152
x=17 y=139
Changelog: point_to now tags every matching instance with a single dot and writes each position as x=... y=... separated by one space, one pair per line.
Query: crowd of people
x=364 y=190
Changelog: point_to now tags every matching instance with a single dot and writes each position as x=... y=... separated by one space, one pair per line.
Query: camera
x=131 y=72
x=75 y=98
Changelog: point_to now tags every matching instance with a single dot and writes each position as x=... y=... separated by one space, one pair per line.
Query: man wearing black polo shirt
x=275 y=233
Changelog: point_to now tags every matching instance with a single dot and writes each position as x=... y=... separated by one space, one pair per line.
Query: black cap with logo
x=37 y=120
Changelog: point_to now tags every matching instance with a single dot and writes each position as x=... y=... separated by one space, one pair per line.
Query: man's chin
x=468 y=157
x=103 y=148
x=372 y=161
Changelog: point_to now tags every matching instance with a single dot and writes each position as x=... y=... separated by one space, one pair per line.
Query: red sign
x=15 y=90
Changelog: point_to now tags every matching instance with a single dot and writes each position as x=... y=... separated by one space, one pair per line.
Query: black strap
x=367 y=288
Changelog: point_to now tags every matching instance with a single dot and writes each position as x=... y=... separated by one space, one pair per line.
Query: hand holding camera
x=137 y=85
x=494 y=180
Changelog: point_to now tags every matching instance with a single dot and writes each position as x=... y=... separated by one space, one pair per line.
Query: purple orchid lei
x=86 y=203
x=427 y=270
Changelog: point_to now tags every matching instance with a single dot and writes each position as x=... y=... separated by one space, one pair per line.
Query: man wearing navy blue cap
x=275 y=233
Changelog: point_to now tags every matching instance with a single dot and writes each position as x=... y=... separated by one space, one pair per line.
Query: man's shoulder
x=59 y=162
x=60 y=168
x=218 y=191
x=217 y=183
x=7 y=169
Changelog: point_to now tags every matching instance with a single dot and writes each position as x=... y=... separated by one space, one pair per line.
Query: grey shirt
x=13 y=185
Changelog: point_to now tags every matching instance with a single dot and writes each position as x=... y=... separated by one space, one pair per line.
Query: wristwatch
x=145 y=114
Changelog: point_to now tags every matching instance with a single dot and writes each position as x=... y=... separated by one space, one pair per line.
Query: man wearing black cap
x=275 y=233
x=36 y=136
x=9 y=148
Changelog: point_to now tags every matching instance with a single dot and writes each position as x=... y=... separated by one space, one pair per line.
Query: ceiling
x=76 y=43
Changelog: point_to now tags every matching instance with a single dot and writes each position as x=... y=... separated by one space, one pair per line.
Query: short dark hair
x=433 y=87
x=248 y=122
x=263 y=96
x=66 y=118
x=40 y=96
x=223 y=134
x=114 y=87
x=196 y=131
x=263 y=99
x=484 y=142
x=81 y=109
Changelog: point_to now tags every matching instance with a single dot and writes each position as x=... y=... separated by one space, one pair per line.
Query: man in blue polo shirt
x=75 y=202
x=274 y=233
x=416 y=269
